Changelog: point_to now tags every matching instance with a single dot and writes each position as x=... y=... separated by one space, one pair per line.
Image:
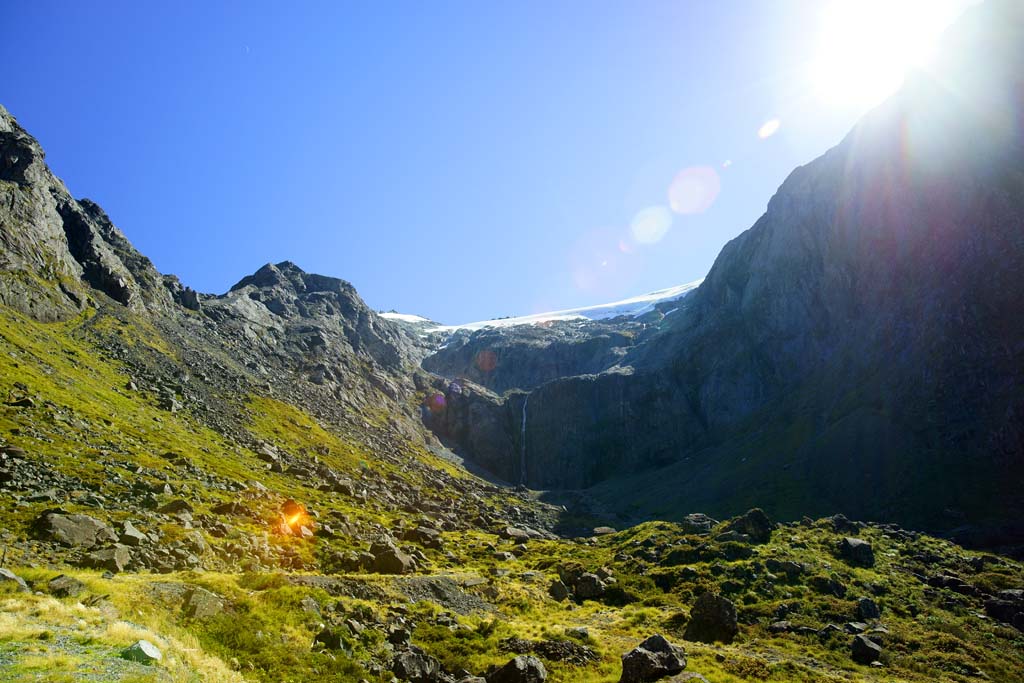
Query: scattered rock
x=114 y=559
x=713 y=618
x=521 y=669
x=864 y=650
x=175 y=507
x=558 y=590
x=80 y=531
x=7 y=576
x=143 y=652
x=857 y=551
x=868 y=610
x=651 y=660
x=389 y=559
x=415 y=667
x=132 y=536
x=64 y=586
x=202 y=604
x=589 y=587
x=755 y=524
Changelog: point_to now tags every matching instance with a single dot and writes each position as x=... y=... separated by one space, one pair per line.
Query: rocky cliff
x=858 y=348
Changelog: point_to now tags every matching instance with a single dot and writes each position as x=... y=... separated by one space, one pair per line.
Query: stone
x=9 y=577
x=652 y=660
x=589 y=587
x=521 y=669
x=132 y=536
x=114 y=559
x=857 y=552
x=697 y=523
x=864 y=650
x=712 y=619
x=175 y=507
x=868 y=610
x=416 y=668
x=143 y=652
x=64 y=586
x=515 y=534
x=389 y=559
x=558 y=590
x=329 y=638
x=79 y=531
x=754 y=523
x=202 y=604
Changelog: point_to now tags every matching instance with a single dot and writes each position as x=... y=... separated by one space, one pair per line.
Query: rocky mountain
x=857 y=349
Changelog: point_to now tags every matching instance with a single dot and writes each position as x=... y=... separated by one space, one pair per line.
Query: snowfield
x=634 y=306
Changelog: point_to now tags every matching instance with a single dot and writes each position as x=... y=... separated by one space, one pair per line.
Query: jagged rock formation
x=859 y=348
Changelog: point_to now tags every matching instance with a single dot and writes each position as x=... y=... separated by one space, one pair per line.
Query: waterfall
x=522 y=444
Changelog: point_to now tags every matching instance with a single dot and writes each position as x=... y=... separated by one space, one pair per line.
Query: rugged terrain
x=258 y=486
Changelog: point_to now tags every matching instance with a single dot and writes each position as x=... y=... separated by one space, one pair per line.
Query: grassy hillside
x=244 y=585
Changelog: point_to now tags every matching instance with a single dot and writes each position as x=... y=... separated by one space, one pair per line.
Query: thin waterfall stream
x=522 y=444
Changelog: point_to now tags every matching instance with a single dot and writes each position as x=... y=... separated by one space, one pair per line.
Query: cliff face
x=859 y=348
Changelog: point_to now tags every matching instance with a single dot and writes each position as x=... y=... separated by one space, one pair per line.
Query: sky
x=455 y=160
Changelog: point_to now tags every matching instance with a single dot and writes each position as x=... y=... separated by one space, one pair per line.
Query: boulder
x=521 y=669
x=652 y=660
x=114 y=559
x=697 y=523
x=389 y=559
x=175 y=507
x=416 y=668
x=143 y=652
x=132 y=536
x=202 y=604
x=868 y=610
x=589 y=587
x=857 y=552
x=9 y=577
x=754 y=523
x=864 y=650
x=64 y=586
x=558 y=590
x=78 y=531
x=713 y=618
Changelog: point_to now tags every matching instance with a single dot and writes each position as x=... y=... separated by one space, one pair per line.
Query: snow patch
x=634 y=306
x=404 y=317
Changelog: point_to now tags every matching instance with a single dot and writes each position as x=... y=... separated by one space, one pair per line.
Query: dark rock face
x=651 y=660
x=712 y=619
x=874 y=294
x=525 y=357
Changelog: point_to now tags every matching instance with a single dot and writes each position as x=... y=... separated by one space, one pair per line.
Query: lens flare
x=768 y=128
x=598 y=264
x=650 y=225
x=694 y=190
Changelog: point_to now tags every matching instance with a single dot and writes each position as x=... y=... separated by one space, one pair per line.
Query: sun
x=865 y=47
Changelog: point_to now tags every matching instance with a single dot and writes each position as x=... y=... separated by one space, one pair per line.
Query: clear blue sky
x=456 y=160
